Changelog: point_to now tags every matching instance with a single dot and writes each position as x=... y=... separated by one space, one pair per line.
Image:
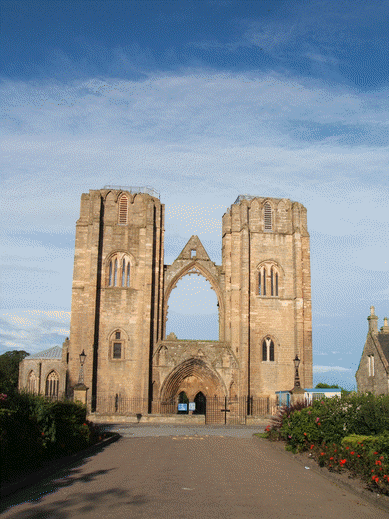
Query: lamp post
x=296 y=362
x=297 y=393
x=80 y=390
x=82 y=362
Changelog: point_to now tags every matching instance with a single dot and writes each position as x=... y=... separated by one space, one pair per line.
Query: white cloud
x=326 y=369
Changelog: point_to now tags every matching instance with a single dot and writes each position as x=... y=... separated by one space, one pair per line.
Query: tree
x=9 y=370
x=321 y=385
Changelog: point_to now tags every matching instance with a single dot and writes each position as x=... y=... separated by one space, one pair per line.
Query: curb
x=379 y=500
x=34 y=477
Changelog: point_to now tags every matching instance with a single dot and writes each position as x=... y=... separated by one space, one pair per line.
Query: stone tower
x=117 y=291
x=268 y=318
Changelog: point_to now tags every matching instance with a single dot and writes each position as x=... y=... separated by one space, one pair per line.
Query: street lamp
x=296 y=362
x=82 y=362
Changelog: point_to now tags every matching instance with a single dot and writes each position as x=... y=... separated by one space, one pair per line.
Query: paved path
x=189 y=477
x=156 y=430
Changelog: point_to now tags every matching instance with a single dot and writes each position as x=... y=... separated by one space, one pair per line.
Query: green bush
x=34 y=430
x=331 y=419
x=351 y=431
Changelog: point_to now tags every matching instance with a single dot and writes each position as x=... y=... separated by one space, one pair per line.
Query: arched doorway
x=191 y=377
x=201 y=403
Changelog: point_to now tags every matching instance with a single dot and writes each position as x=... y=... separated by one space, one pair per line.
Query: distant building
x=121 y=289
x=44 y=373
x=373 y=372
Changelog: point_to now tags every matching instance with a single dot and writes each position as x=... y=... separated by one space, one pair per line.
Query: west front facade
x=120 y=298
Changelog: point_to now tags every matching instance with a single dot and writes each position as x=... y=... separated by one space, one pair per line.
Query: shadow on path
x=64 y=474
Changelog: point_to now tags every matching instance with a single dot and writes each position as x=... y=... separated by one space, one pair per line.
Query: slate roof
x=384 y=343
x=52 y=353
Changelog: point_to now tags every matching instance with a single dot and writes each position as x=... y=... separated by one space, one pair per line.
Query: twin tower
x=121 y=289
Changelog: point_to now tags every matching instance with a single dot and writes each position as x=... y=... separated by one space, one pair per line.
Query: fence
x=217 y=410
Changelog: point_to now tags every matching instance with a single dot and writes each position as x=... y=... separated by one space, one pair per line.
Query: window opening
x=276 y=283
x=117 y=350
x=123 y=272
x=123 y=210
x=271 y=354
x=52 y=383
x=193 y=253
x=264 y=351
x=259 y=283
x=268 y=217
x=117 y=335
x=110 y=274
x=115 y=275
x=31 y=384
x=264 y=281
x=128 y=274
x=272 y=281
x=268 y=350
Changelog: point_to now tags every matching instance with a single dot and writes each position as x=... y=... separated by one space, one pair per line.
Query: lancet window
x=123 y=210
x=32 y=382
x=268 y=349
x=268 y=216
x=268 y=280
x=52 y=384
x=118 y=271
x=117 y=345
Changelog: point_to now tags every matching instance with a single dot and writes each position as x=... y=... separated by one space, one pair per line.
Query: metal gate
x=226 y=411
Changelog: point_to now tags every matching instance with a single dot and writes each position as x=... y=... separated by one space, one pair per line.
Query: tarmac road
x=216 y=476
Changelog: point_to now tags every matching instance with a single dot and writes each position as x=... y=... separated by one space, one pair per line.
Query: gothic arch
x=276 y=344
x=210 y=383
x=193 y=266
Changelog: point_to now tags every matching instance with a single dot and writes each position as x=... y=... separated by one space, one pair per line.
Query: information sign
x=192 y=406
x=182 y=407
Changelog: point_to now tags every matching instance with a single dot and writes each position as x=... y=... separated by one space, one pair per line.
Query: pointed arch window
x=123 y=210
x=118 y=271
x=118 y=343
x=268 y=350
x=268 y=217
x=52 y=385
x=32 y=382
x=268 y=280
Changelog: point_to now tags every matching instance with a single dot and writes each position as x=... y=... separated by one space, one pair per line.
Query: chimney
x=385 y=328
x=373 y=321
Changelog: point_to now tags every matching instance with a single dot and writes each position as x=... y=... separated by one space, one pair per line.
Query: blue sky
x=202 y=100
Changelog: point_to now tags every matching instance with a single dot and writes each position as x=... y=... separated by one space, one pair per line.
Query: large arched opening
x=195 y=309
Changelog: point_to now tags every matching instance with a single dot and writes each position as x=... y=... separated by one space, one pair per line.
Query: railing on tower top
x=136 y=189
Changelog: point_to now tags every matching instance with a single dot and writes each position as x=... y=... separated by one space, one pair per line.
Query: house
x=373 y=371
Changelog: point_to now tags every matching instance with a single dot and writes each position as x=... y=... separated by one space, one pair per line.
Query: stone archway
x=194 y=259
x=192 y=376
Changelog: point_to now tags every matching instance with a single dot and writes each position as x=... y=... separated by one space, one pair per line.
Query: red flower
x=305 y=434
x=375 y=452
x=322 y=454
x=352 y=452
x=312 y=446
x=331 y=458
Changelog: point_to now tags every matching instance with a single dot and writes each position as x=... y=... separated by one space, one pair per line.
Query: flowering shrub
x=348 y=432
